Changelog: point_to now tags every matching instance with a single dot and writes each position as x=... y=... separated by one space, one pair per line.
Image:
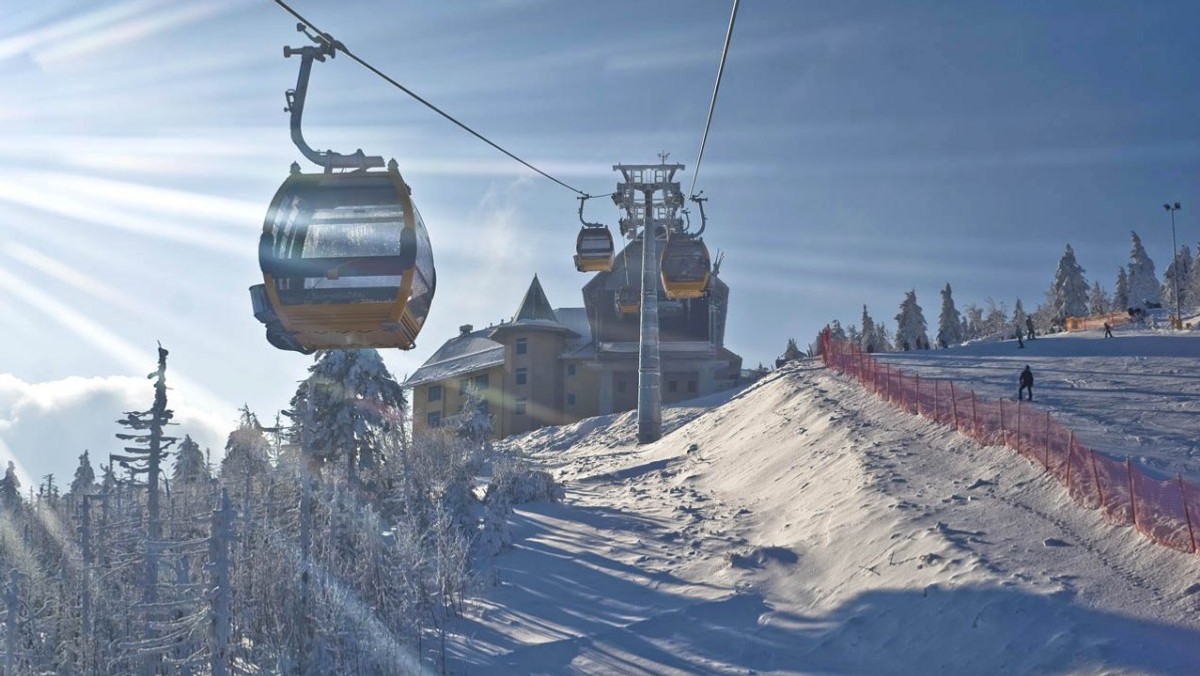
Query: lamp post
x=1172 y=208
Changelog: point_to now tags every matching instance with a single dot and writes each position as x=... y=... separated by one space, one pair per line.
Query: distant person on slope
x=1107 y=330
x=1029 y=325
x=1026 y=383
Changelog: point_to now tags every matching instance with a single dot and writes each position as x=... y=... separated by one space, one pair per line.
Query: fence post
x=887 y=383
x=954 y=406
x=1095 y=472
x=1003 y=432
x=1018 y=444
x=1069 y=455
x=1132 y=497
x=918 y=395
x=903 y=399
x=1048 y=442
x=1186 y=514
x=974 y=417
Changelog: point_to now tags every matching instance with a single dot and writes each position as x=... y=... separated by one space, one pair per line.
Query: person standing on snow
x=1029 y=325
x=1107 y=330
x=1026 y=383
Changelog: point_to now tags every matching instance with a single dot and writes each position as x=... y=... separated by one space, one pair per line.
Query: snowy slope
x=803 y=526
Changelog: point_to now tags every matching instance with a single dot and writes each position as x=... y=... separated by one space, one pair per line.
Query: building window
x=691 y=386
x=433 y=419
x=520 y=409
x=522 y=346
x=570 y=400
x=481 y=382
x=570 y=369
x=522 y=376
x=435 y=393
x=673 y=386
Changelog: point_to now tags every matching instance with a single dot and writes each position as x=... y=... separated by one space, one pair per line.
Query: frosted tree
x=1181 y=266
x=1068 y=293
x=852 y=335
x=995 y=322
x=836 y=331
x=881 y=342
x=949 y=320
x=190 y=467
x=1143 y=284
x=1193 y=282
x=1099 y=300
x=867 y=339
x=1120 y=299
x=972 y=321
x=474 y=423
x=246 y=451
x=84 y=481
x=910 y=324
x=346 y=407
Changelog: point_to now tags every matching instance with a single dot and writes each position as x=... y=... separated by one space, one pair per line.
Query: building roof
x=534 y=313
x=466 y=353
x=535 y=305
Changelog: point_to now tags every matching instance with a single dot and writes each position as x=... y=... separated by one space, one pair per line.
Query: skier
x=1107 y=330
x=1026 y=383
x=1029 y=325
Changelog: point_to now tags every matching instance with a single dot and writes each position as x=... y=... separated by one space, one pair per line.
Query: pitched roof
x=535 y=305
x=463 y=354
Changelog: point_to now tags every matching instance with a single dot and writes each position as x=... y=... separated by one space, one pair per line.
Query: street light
x=1172 y=208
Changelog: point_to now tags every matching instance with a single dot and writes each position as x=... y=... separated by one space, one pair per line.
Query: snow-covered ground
x=1136 y=394
x=804 y=526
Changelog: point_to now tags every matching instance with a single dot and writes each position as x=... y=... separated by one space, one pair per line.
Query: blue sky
x=859 y=149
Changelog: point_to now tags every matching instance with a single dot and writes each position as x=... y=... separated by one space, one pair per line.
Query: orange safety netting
x=1165 y=510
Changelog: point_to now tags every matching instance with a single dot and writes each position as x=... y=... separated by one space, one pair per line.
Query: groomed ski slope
x=803 y=526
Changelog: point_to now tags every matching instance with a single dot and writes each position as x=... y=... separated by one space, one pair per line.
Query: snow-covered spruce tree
x=836 y=332
x=1069 y=290
x=246 y=452
x=910 y=324
x=1193 y=284
x=852 y=335
x=949 y=320
x=1019 y=317
x=972 y=322
x=867 y=339
x=1183 y=264
x=1120 y=299
x=10 y=488
x=474 y=423
x=190 y=467
x=345 y=407
x=84 y=481
x=1143 y=284
x=995 y=322
x=881 y=342
x=1098 y=299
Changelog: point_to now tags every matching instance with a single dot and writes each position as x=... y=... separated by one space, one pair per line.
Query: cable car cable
x=712 y=104
x=339 y=46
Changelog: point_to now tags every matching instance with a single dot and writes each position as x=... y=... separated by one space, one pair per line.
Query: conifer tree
x=836 y=331
x=1120 y=299
x=949 y=320
x=346 y=408
x=910 y=324
x=1099 y=300
x=867 y=341
x=190 y=467
x=1181 y=265
x=1069 y=291
x=1143 y=284
x=1192 y=295
x=972 y=322
x=84 y=481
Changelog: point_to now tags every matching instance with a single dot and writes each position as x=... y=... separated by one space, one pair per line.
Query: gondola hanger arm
x=325 y=46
